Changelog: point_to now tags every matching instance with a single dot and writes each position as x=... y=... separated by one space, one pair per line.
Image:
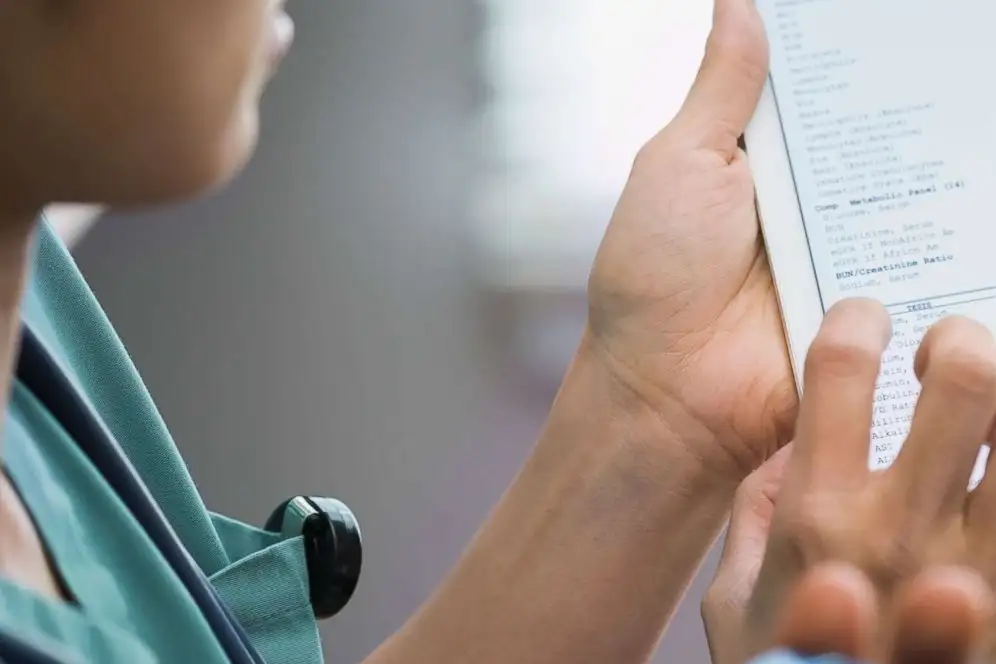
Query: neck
x=15 y=251
x=22 y=553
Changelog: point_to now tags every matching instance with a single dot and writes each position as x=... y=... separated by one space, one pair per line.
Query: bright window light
x=576 y=86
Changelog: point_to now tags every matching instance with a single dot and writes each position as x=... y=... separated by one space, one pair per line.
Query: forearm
x=589 y=551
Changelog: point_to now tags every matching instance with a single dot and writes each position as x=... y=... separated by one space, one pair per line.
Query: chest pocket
x=267 y=589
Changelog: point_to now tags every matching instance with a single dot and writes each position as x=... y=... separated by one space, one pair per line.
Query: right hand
x=893 y=524
x=834 y=610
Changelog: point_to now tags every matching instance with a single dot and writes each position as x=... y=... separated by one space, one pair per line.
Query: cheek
x=132 y=101
x=220 y=85
x=168 y=147
x=186 y=161
x=191 y=115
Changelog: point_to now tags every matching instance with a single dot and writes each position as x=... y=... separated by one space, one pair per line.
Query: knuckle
x=981 y=555
x=964 y=372
x=815 y=532
x=891 y=558
x=713 y=599
x=805 y=533
x=650 y=155
x=644 y=154
x=839 y=352
x=963 y=359
x=663 y=156
x=724 y=597
x=746 y=494
x=760 y=489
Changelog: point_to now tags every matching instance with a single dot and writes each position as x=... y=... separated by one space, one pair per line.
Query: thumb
x=750 y=521
x=729 y=83
x=725 y=603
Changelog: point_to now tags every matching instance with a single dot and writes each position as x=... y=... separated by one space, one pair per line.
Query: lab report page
x=889 y=120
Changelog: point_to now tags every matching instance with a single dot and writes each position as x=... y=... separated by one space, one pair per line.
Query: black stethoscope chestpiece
x=333 y=548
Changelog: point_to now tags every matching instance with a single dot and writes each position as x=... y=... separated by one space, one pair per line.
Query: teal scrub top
x=129 y=607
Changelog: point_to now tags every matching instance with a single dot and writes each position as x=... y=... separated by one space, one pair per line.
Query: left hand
x=682 y=305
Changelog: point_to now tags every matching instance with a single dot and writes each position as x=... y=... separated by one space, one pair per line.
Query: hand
x=833 y=609
x=940 y=618
x=890 y=525
x=682 y=306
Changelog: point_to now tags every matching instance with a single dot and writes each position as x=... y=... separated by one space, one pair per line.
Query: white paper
x=889 y=114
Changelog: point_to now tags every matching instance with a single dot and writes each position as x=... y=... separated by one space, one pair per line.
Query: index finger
x=834 y=430
x=956 y=365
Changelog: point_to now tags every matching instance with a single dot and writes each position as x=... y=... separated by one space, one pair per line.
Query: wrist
x=605 y=414
x=606 y=453
x=588 y=553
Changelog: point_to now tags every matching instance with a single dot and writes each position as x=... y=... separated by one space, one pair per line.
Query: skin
x=939 y=618
x=160 y=101
x=679 y=389
x=920 y=541
x=683 y=307
x=114 y=102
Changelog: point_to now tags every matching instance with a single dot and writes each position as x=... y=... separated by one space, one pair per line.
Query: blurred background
x=382 y=306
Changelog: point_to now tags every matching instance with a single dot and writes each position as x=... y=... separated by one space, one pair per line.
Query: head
x=130 y=102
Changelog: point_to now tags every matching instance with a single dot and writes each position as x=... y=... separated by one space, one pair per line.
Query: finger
x=750 y=521
x=729 y=83
x=832 y=610
x=941 y=618
x=980 y=516
x=842 y=366
x=956 y=365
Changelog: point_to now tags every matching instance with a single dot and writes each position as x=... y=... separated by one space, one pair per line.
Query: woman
x=680 y=387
